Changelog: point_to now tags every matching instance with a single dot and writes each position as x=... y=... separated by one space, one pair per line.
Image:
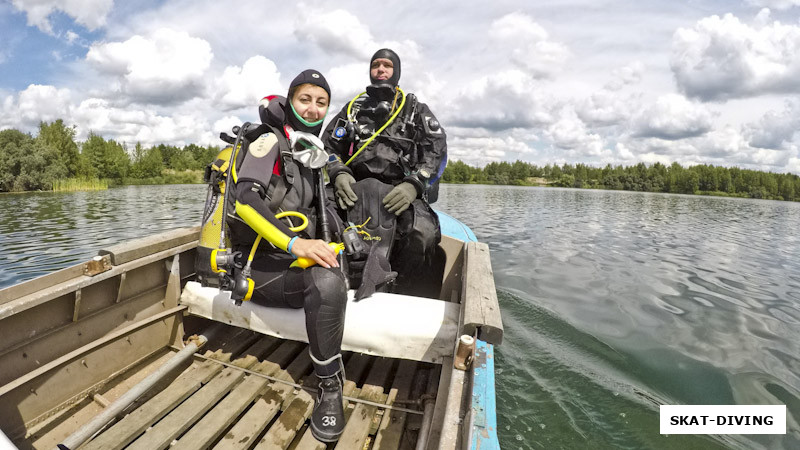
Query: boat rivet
x=83 y=361
x=33 y=391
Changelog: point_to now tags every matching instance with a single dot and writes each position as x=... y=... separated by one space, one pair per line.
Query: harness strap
x=283 y=182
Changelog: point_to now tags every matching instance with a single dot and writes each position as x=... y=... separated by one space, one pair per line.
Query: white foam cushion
x=389 y=325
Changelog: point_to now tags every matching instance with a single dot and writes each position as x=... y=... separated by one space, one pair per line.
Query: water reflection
x=613 y=302
x=45 y=231
x=694 y=290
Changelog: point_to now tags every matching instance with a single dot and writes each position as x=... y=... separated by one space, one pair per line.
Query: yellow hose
x=375 y=134
x=297 y=228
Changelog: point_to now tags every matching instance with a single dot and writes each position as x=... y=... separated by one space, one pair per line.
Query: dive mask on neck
x=307 y=149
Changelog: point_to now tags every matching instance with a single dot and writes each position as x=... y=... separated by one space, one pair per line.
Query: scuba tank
x=215 y=176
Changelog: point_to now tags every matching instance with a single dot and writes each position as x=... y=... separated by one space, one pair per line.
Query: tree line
x=676 y=179
x=35 y=163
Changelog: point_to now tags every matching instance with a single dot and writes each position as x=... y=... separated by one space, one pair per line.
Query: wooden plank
x=308 y=442
x=360 y=421
x=139 y=248
x=480 y=311
x=229 y=343
x=283 y=431
x=132 y=425
x=453 y=267
x=354 y=369
x=247 y=429
x=391 y=428
x=264 y=345
x=181 y=418
x=286 y=352
x=213 y=424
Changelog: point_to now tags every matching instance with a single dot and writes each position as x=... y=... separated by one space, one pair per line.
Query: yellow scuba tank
x=213 y=215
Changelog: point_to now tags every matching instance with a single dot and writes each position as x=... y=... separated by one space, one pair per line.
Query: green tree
x=62 y=139
x=11 y=152
x=150 y=165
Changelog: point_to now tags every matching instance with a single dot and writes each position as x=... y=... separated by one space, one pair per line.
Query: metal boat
x=127 y=351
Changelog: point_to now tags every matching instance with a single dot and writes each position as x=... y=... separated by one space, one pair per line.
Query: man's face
x=381 y=69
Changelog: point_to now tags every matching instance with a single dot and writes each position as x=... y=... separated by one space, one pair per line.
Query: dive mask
x=307 y=149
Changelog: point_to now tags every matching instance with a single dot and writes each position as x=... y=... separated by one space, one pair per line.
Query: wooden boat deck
x=253 y=391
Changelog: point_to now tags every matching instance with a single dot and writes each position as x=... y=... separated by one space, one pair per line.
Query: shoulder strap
x=282 y=186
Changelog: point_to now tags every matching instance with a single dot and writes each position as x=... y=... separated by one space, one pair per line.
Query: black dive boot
x=327 y=419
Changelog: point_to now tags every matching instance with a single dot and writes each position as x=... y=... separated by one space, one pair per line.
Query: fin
x=377 y=232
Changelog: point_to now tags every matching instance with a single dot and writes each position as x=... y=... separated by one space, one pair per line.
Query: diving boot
x=327 y=419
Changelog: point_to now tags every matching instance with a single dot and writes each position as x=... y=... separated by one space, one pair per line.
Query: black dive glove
x=344 y=193
x=400 y=198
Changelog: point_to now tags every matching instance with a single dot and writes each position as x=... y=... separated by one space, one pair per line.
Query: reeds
x=79 y=184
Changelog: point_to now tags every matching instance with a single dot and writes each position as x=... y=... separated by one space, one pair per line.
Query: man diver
x=389 y=136
x=275 y=173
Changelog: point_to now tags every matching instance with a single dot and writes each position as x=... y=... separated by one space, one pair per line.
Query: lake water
x=613 y=302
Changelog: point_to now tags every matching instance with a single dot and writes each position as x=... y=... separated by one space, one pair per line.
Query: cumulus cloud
x=626 y=76
x=341 y=32
x=346 y=81
x=483 y=148
x=140 y=125
x=775 y=128
x=605 y=108
x=90 y=13
x=36 y=103
x=240 y=87
x=722 y=58
x=530 y=44
x=569 y=132
x=673 y=117
x=167 y=67
x=337 y=31
x=509 y=99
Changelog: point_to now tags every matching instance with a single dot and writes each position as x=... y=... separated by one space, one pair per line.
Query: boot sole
x=323 y=436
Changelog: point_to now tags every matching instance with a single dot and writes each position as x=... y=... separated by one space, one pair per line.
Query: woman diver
x=274 y=176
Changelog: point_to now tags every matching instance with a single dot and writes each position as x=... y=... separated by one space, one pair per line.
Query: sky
x=577 y=81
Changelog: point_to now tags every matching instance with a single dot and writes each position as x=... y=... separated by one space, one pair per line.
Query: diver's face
x=311 y=102
x=381 y=69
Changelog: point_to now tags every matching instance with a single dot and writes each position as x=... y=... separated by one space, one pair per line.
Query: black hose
x=323 y=213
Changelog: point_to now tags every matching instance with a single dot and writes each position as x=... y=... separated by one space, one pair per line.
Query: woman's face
x=381 y=69
x=311 y=102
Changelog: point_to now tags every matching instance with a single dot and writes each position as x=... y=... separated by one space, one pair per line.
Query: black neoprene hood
x=391 y=56
x=311 y=76
x=308 y=76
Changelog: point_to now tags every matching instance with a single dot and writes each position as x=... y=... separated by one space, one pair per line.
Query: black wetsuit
x=262 y=173
x=410 y=151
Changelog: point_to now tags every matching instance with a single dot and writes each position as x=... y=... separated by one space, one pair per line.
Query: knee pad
x=325 y=287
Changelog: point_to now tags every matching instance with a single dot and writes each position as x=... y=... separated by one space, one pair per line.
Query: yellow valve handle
x=250 y=286
x=305 y=263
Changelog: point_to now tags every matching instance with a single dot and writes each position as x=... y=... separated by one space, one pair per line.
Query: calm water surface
x=613 y=302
